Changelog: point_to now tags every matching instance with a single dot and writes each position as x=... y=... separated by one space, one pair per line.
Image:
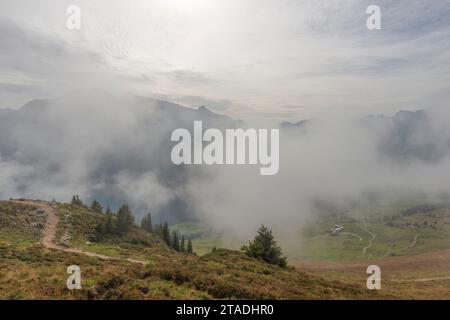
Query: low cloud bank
x=116 y=148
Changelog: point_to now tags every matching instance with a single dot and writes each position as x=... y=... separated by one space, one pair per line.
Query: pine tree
x=77 y=201
x=166 y=234
x=159 y=230
x=182 y=244
x=175 y=241
x=125 y=219
x=109 y=226
x=96 y=206
x=146 y=223
x=264 y=247
x=189 y=247
x=99 y=232
x=149 y=223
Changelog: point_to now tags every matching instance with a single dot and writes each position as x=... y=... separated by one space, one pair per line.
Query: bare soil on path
x=49 y=234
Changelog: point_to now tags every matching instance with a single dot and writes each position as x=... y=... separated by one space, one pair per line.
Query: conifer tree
x=109 y=226
x=77 y=201
x=143 y=222
x=189 y=247
x=146 y=223
x=166 y=234
x=99 y=232
x=175 y=241
x=125 y=219
x=96 y=206
x=149 y=223
x=182 y=244
x=264 y=247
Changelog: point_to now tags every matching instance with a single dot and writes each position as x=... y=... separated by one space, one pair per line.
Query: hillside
x=39 y=240
x=370 y=232
x=408 y=240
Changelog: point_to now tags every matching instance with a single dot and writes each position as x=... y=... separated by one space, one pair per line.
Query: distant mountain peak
x=204 y=109
x=36 y=103
x=299 y=124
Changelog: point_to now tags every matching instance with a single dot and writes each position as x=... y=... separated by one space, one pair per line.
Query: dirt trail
x=412 y=244
x=364 y=251
x=317 y=237
x=48 y=239
x=352 y=234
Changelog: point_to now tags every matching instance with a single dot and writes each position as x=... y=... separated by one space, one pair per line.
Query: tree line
x=122 y=221
x=262 y=247
x=172 y=239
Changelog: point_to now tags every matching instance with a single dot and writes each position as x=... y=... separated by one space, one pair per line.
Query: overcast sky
x=272 y=58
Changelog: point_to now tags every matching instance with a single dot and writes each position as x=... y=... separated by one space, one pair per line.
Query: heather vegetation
x=112 y=225
x=33 y=271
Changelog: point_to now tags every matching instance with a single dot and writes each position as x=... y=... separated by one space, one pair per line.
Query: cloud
x=260 y=55
x=198 y=101
x=143 y=190
x=116 y=148
x=188 y=78
x=36 y=64
x=342 y=162
x=11 y=177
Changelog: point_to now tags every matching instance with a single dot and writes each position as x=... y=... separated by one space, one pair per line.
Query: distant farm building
x=336 y=229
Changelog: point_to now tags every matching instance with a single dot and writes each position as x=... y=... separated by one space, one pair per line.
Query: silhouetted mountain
x=114 y=146
x=297 y=125
x=409 y=135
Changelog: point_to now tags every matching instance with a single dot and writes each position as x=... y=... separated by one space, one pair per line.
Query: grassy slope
x=313 y=243
x=396 y=239
x=80 y=222
x=30 y=271
x=340 y=258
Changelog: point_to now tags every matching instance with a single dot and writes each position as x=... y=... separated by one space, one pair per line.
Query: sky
x=280 y=59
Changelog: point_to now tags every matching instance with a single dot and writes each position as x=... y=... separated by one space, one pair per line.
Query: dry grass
x=30 y=271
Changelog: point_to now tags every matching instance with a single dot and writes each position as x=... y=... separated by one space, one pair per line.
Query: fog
x=116 y=148
x=343 y=162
